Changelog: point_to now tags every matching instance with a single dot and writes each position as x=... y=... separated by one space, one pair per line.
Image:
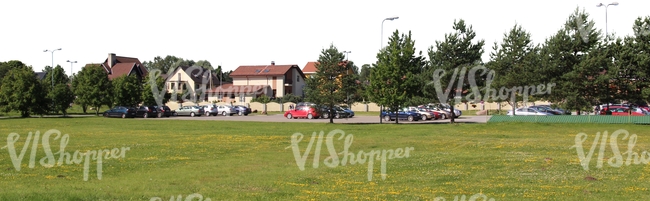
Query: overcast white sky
x=234 y=33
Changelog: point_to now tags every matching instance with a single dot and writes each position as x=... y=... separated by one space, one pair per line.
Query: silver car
x=528 y=111
x=210 y=110
x=226 y=110
x=191 y=111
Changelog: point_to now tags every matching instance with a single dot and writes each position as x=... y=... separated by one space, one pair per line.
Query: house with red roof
x=280 y=79
x=116 y=66
x=310 y=68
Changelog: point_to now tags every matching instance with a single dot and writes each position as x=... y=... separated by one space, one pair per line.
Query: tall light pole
x=607 y=39
x=71 y=62
x=606 y=6
x=52 y=51
x=346 y=54
x=347 y=72
x=381 y=108
x=382 y=29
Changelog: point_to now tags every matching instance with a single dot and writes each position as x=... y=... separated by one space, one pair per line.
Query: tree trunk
x=453 y=114
x=396 y=116
x=96 y=110
x=330 y=109
x=84 y=107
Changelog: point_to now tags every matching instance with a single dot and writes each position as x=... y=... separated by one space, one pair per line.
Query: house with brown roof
x=310 y=68
x=282 y=79
x=116 y=66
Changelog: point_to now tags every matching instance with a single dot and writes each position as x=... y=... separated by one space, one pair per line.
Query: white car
x=226 y=110
x=527 y=111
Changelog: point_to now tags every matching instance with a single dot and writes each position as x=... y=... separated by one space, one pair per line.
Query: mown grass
x=226 y=160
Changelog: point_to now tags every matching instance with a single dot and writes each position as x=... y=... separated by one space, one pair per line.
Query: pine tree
x=449 y=61
x=394 y=77
x=514 y=65
x=333 y=82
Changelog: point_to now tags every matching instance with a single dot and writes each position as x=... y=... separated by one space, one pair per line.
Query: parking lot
x=355 y=119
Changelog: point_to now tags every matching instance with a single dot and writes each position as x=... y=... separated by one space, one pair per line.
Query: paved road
x=281 y=118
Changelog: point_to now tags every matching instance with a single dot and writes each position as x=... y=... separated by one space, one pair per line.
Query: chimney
x=272 y=63
x=111 y=60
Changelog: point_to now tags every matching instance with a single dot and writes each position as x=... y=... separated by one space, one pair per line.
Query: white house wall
x=184 y=78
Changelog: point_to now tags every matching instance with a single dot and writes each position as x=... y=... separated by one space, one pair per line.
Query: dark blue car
x=242 y=110
x=120 y=111
x=404 y=115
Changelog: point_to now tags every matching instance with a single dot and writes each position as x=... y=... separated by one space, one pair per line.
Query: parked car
x=242 y=110
x=338 y=112
x=603 y=111
x=120 y=111
x=192 y=111
x=443 y=114
x=401 y=114
x=349 y=111
x=226 y=110
x=547 y=109
x=302 y=112
x=426 y=115
x=622 y=111
x=527 y=111
x=562 y=111
x=147 y=111
x=210 y=110
x=166 y=111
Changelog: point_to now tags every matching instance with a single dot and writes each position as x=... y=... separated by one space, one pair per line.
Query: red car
x=625 y=112
x=603 y=111
x=302 y=112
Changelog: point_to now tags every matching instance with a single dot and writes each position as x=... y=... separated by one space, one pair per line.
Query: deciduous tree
x=22 y=92
x=127 y=91
x=92 y=87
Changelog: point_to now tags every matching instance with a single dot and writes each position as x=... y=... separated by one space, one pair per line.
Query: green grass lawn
x=74 y=110
x=224 y=160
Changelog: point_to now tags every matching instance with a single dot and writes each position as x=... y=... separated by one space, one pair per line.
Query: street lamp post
x=347 y=72
x=382 y=29
x=381 y=108
x=52 y=51
x=607 y=39
x=71 y=62
x=346 y=54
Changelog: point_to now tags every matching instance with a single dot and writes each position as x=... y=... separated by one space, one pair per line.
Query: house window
x=173 y=86
x=297 y=78
x=242 y=98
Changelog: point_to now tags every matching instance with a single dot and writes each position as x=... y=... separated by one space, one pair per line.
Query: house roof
x=238 y=89
x=122 y=59
x=121 y=69
x=40 y=75
x=310 y=67
x=196 y=74
x=91 y=64
x=264 y=70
